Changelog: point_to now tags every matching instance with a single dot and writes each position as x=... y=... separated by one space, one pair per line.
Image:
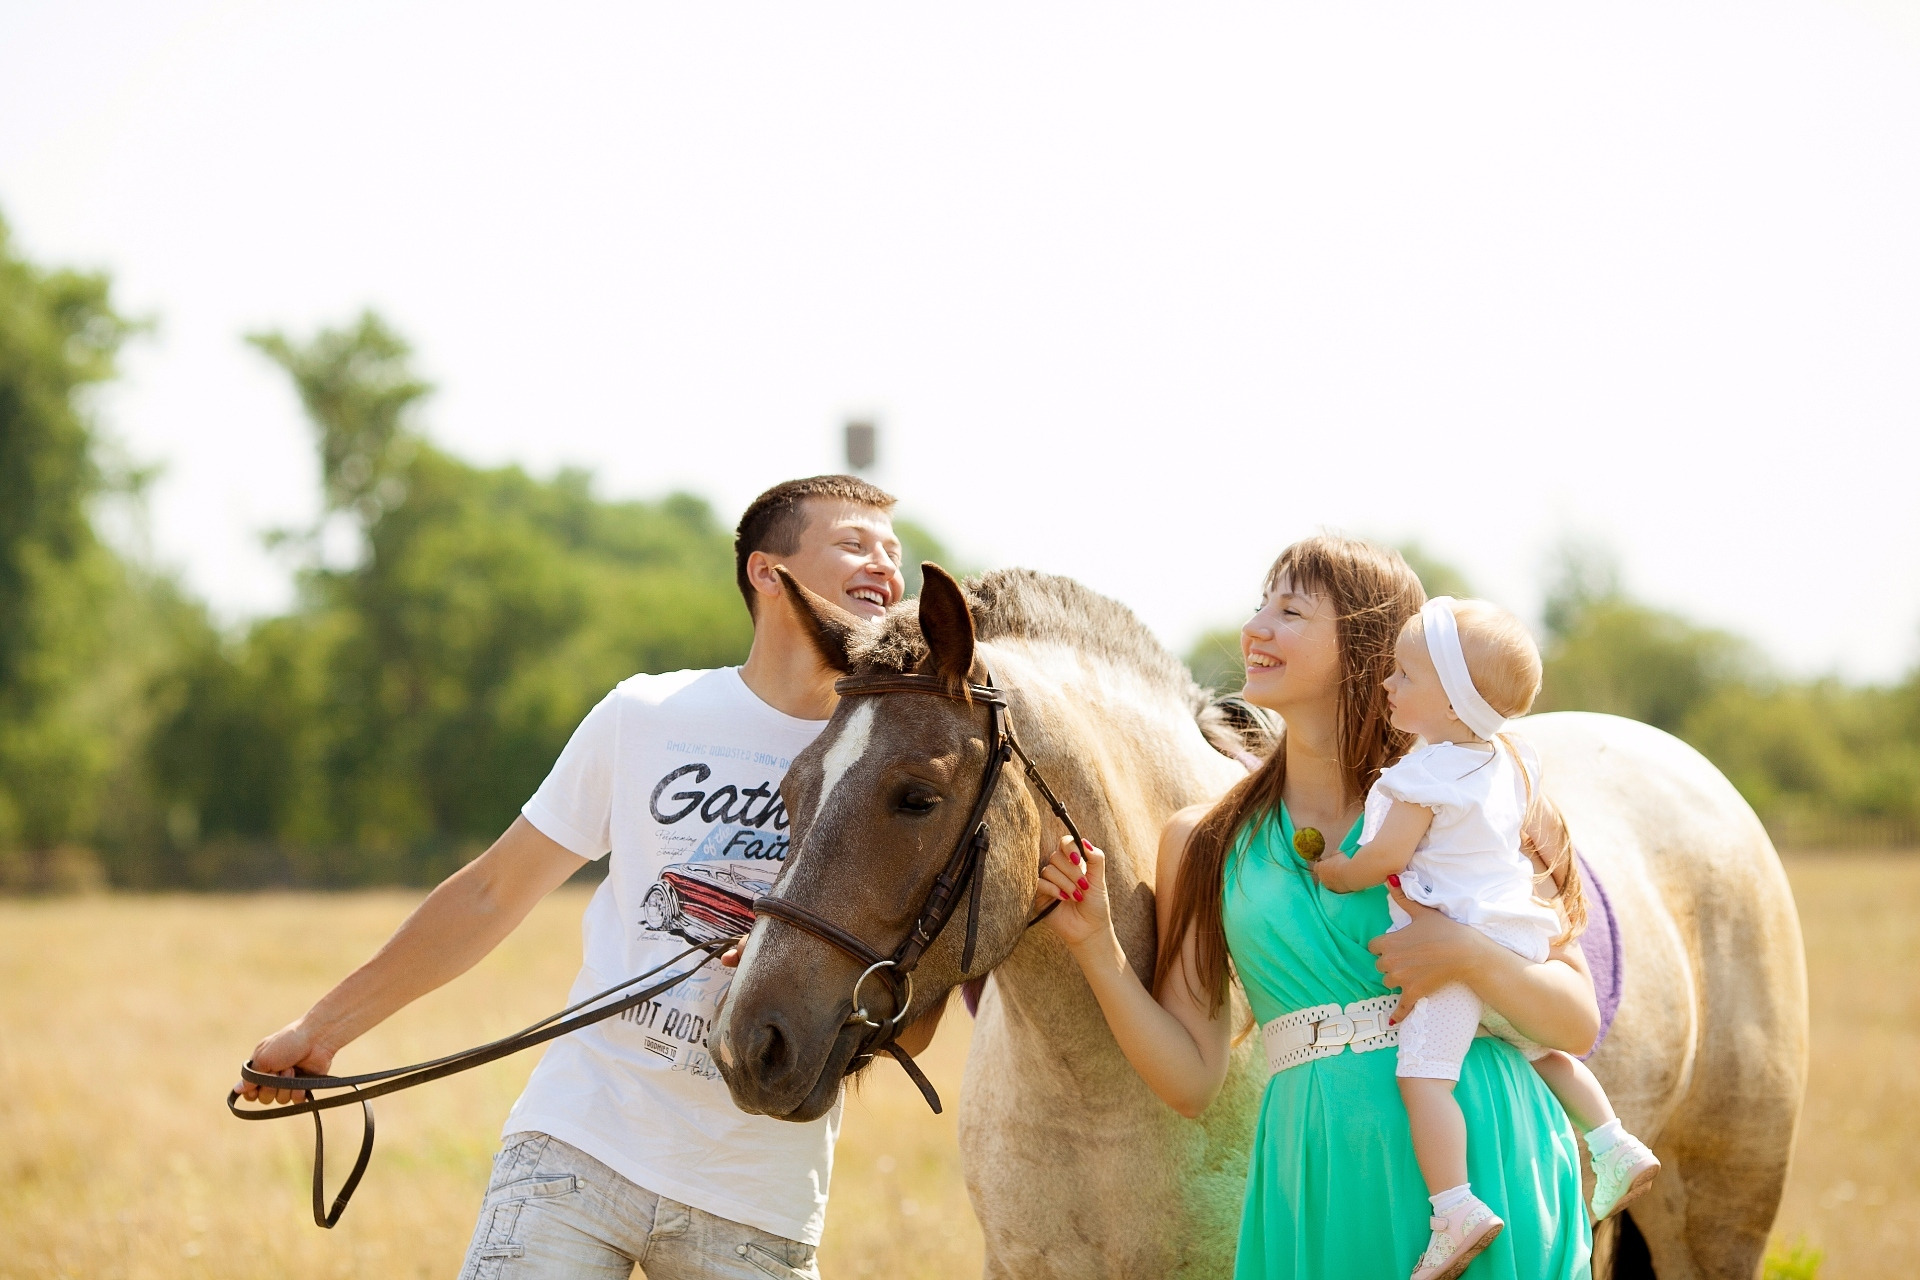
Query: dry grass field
x=122 y=1019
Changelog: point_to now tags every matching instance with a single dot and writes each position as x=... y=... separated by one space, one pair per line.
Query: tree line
x=390 y=723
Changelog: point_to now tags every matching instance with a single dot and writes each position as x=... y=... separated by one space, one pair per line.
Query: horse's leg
x=1074 y=1168
x=1727 y=1147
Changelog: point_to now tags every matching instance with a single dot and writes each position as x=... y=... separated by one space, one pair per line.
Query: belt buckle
x=1332 y=1031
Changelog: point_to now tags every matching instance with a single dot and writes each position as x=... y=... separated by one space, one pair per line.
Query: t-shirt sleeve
x=574 y=806
x=1416 y=780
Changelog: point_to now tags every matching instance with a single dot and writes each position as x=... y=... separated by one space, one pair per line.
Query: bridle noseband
x=960 y=874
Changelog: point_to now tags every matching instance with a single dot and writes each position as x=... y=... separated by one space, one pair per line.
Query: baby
x=1444 y=824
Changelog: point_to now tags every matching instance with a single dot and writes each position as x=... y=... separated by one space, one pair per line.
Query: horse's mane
x=1023 y=604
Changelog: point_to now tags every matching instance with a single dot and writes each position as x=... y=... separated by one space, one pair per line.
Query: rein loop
x=362 y=1089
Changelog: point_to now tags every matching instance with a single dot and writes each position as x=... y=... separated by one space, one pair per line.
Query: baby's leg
x=1577 y=1088
x=1623 y=1165
x=1434 y=1040
x=1439 y=1132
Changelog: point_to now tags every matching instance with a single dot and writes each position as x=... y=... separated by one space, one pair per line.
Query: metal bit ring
x=860 y=1014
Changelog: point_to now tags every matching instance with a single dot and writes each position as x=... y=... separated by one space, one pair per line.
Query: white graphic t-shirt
x=679 y=777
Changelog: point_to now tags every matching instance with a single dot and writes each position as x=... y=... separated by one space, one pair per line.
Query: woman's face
x=1291 y=648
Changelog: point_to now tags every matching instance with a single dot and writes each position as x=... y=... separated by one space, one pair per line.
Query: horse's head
x=878 y=803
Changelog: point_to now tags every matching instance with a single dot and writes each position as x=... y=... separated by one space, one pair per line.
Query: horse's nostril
x=770 y=1050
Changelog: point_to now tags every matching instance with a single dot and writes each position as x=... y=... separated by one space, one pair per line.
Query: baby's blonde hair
x=1504 y=662
x=1501 y=654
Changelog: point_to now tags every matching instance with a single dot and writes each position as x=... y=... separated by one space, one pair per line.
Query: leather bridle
x=960 y=875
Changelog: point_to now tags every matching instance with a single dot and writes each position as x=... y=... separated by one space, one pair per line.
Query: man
x=625 y=1147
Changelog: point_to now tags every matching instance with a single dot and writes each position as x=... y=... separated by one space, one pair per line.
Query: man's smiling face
x=849 y=555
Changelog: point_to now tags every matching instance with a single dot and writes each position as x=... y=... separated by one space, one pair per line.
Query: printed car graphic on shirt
x=705 y=901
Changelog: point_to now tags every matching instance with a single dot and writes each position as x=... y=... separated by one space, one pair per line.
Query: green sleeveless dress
x=1332 y=1187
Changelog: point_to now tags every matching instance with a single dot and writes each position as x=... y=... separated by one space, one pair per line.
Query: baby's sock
x=1445 y=1202
x=1602 y=1140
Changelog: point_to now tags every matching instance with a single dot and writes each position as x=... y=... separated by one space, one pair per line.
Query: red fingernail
x=1394 y=881
x=1087 y=845
x=1077 y=895
x=1073 y=857
x=1084 y=884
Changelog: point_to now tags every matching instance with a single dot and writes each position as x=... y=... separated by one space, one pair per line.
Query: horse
x=1073 y=1166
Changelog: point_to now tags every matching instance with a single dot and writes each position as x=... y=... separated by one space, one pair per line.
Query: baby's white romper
x=1469 y=866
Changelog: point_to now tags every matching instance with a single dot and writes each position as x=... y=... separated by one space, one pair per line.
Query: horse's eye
x=918 y=800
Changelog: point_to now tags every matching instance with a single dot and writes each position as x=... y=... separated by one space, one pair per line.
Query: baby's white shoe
x=1458 y=1237
x=1620 y=1174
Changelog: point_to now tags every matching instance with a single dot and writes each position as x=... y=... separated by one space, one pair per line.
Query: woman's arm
x=1552 y=1002
x=1178 y=1047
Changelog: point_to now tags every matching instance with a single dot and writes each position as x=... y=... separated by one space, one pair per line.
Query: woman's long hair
x=1373 y=592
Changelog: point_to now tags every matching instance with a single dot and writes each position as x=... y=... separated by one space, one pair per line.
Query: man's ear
x=946 y=623
x=829 y=626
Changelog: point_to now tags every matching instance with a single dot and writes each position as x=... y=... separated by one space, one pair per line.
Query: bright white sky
x=1138 y=294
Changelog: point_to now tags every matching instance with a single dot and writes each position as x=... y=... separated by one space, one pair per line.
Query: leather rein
x=959 y=876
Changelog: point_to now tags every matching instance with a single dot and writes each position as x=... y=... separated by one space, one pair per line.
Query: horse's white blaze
x=846 y=749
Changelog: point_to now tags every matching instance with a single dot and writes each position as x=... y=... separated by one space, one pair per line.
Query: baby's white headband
x=1443 y=644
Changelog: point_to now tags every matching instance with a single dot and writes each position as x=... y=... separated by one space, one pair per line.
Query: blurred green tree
x=1821 y=761
x=1436 y=575
x=393 y=723
x=918 y=544
x=1606 y=652
x=59 y=585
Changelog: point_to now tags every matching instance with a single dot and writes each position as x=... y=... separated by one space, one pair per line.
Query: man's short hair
x=774 y=521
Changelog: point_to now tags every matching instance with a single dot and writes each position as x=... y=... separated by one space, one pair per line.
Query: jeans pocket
x=518 y=1158
x=539 y=1187
x=785 y=1259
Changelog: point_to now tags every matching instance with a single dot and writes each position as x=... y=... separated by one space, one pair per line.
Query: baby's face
x=1416 y=700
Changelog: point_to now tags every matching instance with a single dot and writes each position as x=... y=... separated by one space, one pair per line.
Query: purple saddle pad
x=1601 y=942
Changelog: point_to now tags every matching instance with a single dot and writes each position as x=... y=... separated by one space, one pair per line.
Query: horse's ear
x=946 y=623
x=829 y=626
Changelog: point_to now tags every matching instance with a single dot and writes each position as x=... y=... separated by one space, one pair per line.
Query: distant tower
x=863 y=444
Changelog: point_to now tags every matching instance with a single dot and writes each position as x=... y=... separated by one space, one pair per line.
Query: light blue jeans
x=553 y=1212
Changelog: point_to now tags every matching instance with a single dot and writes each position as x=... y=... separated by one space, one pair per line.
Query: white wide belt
x=1326 y=1029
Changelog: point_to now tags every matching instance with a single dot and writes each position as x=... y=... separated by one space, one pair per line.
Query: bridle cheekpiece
x=960 y=875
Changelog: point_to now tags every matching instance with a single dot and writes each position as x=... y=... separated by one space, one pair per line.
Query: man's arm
x=1387 y=854
x=462 y=920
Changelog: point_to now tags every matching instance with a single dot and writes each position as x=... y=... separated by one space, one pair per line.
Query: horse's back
x=1707 y=1055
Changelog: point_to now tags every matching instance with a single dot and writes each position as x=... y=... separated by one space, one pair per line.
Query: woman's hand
x=1552 y=1003
x=1427 y=954
x=1079 y=884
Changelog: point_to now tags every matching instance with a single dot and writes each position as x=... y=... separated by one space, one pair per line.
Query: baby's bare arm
x=1387 y=854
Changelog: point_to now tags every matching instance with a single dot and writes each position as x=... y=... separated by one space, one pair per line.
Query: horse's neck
x=1123 y=757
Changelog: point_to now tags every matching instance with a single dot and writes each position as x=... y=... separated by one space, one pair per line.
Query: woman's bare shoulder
x=1174 y=837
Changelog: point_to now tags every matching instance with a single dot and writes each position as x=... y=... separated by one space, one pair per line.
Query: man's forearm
x=462 y=920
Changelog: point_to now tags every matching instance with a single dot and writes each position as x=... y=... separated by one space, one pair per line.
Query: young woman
x=1333 y=1179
